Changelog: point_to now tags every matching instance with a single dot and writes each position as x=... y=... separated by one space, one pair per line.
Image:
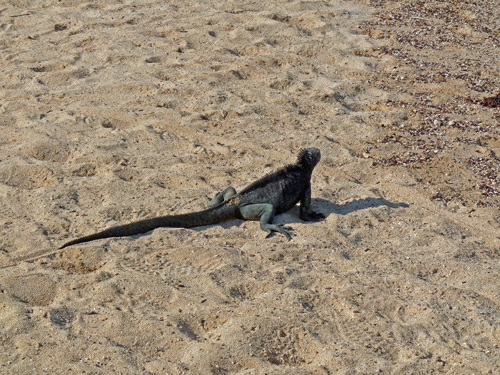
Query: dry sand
x=112 y=112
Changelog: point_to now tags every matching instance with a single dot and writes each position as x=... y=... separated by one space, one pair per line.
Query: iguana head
x=309 y=157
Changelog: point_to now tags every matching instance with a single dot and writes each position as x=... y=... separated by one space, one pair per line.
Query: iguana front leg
x=265 y=213
x=305 y=207
x=223 y=196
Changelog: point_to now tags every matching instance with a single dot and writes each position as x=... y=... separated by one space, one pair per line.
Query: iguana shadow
x=323 y=206
x=327 y=207
x=355 y=205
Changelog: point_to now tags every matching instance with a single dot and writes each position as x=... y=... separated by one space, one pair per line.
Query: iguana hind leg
x=265 y=213
x=223 y=196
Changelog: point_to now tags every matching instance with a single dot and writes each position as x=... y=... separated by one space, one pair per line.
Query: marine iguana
x=273 y=194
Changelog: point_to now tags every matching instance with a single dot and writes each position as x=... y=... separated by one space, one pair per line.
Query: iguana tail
x=213 y=215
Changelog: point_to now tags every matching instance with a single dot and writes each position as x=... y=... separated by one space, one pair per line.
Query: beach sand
x=112 y=112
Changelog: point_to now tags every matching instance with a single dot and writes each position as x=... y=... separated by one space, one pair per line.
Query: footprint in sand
x=35 y=290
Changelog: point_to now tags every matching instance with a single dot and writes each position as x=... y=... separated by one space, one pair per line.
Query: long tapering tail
x=213 y=215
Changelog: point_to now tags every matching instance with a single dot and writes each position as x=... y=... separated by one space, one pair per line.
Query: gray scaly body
x=273 y=194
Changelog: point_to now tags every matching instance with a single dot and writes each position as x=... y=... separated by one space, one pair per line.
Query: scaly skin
x=271 y=195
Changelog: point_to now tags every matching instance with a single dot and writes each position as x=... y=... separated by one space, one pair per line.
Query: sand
x=116 y=111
